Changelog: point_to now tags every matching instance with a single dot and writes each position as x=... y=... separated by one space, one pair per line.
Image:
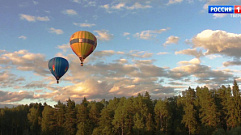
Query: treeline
x=197 y=111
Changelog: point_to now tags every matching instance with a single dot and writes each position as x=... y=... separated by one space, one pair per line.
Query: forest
x=199 y=111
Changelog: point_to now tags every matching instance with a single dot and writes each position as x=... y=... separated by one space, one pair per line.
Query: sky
x=159 y=46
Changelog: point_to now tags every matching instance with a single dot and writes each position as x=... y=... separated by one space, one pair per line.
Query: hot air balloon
x=83 y=43
x=58 y=66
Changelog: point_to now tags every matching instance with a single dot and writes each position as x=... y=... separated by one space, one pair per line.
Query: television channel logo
x=236 y=9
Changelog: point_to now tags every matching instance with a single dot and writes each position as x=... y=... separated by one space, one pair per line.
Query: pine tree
x=60 y=110
x=162 y=115
x=70 y=118
x=48 y=123
x=189 y=118
x=208 y=112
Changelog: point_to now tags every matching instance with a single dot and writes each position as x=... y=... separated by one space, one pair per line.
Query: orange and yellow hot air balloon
x=83 y=43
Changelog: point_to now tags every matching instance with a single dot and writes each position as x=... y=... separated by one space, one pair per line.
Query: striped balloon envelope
x=58 y=66
x=83 y=43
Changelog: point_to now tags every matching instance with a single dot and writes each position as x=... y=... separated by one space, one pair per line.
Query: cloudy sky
x=159 y=46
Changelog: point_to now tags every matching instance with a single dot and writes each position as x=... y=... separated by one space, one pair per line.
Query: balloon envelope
x=58 y=66
x=83 y=43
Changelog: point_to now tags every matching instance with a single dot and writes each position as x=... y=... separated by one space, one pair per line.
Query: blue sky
x=159 y=46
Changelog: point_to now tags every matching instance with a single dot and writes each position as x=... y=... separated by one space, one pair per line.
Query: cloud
x=193 y=61
x=25 y=61
x=56 y=31
x=64 y=47
x=203 y=73
x=125 y=5
x=69 y=12
x=118 y=6
x=220 y=2
x=84 y=24
x=219 y=15
x=218 y=42
x=174 y=2
x=149 y=34
x=138 y=6
x=8 y=79
x=7 y=97
x=33 y=18
x=171 y=40
x=86 y=3
x=139 y=54
x=22 y=37
x=192 y=52
x=232 y=63
x=126 y=33
x=104 y=35
x=162 y=53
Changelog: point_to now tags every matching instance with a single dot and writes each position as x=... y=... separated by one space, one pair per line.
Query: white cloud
x=64 y=47
x=162 y=53
x=171 y=40
x=8 y=97
x=126 y=34
x=192 y=52
x=70 y=12
x=56 y=31
x=33 y=18
x=219 y=15
x=220 y=2
x=232 y=63
x=138 y=6
x=192 y=61
x=118 y=6
x=84 y=24
x=125 y=5
x=174 y=1
x=218 y=42
x=104 y=35
x=22 y=37
x=149 y=34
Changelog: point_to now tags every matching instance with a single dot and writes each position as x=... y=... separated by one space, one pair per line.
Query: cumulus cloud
x=64 y=47
x=219 y=15
x=218 y=42
x=69 y=12
x=104 y=35
x=125 y=5
x=8 y=79
x=192 y=52
x=84 y=24
x=138 y=6
x=149 y=34
x=220 y=2
x=203 y=73
x=162 y=53
x=30 y=18
x=25 y=61
x=7 y=97
x=171 y=40
x=139 y=54
x=193 y=61
x=232 y=63
x=56 y=31
x=86 y=3
x=174 y=1
x=22 y=37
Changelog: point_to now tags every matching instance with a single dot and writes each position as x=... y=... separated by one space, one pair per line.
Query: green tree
x=208 y=112
x=162 y=115
x=60 y=110
x=48 y=123
x=189 y=117
x=70 y=118
x=34 y=118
